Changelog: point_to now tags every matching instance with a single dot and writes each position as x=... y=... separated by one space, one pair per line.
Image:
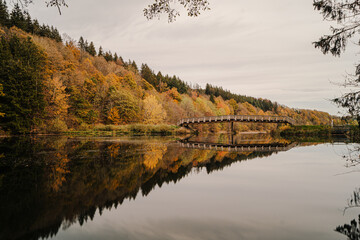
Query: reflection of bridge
x=266 y=147
x=236 y=118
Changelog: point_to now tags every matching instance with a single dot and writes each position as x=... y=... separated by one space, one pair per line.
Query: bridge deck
x=238 y=147
x=237 y=118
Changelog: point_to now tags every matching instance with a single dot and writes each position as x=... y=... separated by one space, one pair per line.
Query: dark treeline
x=162 y=83
x=22 y=20
x=263 y=104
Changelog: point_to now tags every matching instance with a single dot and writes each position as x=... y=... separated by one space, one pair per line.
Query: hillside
x=52 y=85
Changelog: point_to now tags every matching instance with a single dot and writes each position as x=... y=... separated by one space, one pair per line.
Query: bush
x=57 y=126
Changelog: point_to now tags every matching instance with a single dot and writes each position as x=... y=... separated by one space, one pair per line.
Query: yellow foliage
x=154 y=113
x=57 y=98
x=59 y=171
x=174 y=94
x=154 y=153
x=114 y=116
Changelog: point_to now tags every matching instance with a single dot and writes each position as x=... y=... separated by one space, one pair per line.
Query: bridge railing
x=240 y=118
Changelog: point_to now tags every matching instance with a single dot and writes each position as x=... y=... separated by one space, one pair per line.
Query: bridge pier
x=231 y=127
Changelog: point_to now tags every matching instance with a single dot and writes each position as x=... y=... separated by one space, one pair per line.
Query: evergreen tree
x=121 y=60
x=28 y=23
x=147 y=74
x=108 y=56
x=86 y=46
x=36 y=27
x=91 y=49
x=4 y=15
x=100 y=53
x=55 y=34
x=212 y=99
x=133 y=64
x=22 y=70
x=17 y=18
x=115 y=57
x=81 y=43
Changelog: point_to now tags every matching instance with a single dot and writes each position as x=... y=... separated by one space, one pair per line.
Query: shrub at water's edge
x=131 y=129
x=305 y=131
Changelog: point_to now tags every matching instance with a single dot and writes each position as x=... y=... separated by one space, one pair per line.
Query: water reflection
x=352 y=230
x=239 y=143
x=49 y=182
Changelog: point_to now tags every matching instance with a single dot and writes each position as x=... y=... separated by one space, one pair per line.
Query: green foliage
x=4 y=14
x=126 y=105
x=163 y=83
x=21 y=19
x=22 y=70
x=57 y=126
x=307 y=131
x=80 y=106
x=129 y=79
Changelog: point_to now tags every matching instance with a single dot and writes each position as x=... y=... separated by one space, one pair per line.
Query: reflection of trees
x=354 y=200
x=350 y=230
x=53 y=182
x=154 y=153
x=352 y=158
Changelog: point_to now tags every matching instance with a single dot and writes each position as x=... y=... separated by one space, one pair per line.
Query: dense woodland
x=50 y=84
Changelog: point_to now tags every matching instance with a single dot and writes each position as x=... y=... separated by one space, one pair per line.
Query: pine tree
x=86 y=46
x=91 y=49
x=28 y=23
x=147 y=74
x=4 y=15
x=100 y=53
x=133 y=64
x=121 y=60
x=36 y=27
x=81 y=43
x=22 y=70
x=17 y=18
x=108 y=56
x=115 y=57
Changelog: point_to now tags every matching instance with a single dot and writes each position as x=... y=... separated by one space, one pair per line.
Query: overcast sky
x=257 y=48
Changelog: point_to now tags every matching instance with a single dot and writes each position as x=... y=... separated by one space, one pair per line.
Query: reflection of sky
x=297 y=194
x=257 y=48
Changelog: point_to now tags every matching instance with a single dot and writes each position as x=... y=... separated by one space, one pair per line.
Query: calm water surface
x=157 y=188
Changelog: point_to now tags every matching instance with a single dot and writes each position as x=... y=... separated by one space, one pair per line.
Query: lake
x=213 y=187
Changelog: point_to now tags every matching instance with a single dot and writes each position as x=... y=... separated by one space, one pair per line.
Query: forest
x=50 y=84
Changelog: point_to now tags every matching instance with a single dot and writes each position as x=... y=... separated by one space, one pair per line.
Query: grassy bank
x=131 y=129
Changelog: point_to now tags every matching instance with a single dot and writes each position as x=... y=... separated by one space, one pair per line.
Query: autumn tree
x=122 y=107
x=154 y=113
